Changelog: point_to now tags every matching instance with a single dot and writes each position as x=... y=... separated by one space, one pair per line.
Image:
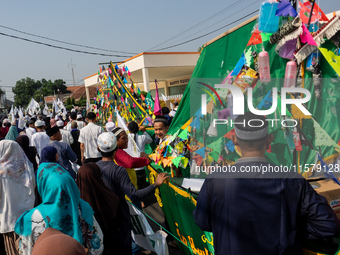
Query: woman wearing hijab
x=54 y=242
x=12 y=133
x=49 y=155
x=30 y=151
x=17 y=185
x=104 y=203
x=61 y=209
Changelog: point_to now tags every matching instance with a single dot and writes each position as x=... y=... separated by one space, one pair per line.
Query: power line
x=208 y=33
x=236 y=13
x=63 y=48
x=74 y=44
x=201 y=22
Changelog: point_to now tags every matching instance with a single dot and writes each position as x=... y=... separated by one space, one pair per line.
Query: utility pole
x=74 y=82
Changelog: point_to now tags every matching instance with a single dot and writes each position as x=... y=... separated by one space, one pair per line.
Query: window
x=177 y=90
x=160 y=90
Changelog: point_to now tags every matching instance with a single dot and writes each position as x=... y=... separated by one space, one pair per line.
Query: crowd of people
x=66 y=182
x=62 y=179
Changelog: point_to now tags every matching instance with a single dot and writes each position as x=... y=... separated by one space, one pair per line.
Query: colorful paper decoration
x=322 y=138
x=198 y=159
x=242 y=61
x=214 y=155
x=176 y=161
x=184 y=162
x=201 y=152
x=328 y=173
x=297 y=114
x=305 y=12
x=230 y=146
x=230 y=133
x=216 y=145
x=184 y=134
x=285 y=9
x=332 y=59
x=267 y=101
x=306 y=37
x=255 y=38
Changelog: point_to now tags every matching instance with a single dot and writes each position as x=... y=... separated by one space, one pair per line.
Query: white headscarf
x=14 y=163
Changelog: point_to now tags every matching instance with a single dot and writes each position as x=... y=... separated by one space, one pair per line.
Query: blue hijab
x=61 y=201
x=12 y=133
x=48 y=155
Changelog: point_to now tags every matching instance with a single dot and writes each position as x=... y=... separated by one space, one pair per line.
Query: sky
x=127 y=26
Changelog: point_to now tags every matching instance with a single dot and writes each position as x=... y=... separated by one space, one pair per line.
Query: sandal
x=173 y=244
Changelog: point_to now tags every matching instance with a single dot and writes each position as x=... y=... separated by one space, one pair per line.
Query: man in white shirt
x=73 y=117
x=88 y=140
x=30 y=131
x=66 y=135
x=40 y=139
x=80 y=122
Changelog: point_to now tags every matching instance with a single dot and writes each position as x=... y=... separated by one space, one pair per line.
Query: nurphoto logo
x=238 y=105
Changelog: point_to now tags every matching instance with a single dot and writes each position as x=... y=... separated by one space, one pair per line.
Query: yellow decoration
x=153 y=116
x=187 y=125
x=297 y=114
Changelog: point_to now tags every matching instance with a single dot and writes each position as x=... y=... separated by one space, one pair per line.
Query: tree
x=24 y=91
x=27 y=88
x=68 y=101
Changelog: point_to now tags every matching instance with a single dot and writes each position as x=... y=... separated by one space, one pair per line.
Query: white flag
x=132 y=148
x=55 y=105
x=164 y=98
x=172 y=106
x=45 y=109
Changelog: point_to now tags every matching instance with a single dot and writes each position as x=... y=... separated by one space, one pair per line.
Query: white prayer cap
x=79 y=116
x=107 y=142
x=39 y=123
x=73 y=110
x=110 y=126
x=60 y=123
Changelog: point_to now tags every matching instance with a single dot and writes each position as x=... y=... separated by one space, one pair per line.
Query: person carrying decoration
x=123 y=159
x=116 y=178
x=261 y=212
x=140 y=141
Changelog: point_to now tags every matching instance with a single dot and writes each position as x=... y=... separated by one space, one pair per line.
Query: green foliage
x=73 y=101
x=27 y=88
x=68 y=107
x=68 y=101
